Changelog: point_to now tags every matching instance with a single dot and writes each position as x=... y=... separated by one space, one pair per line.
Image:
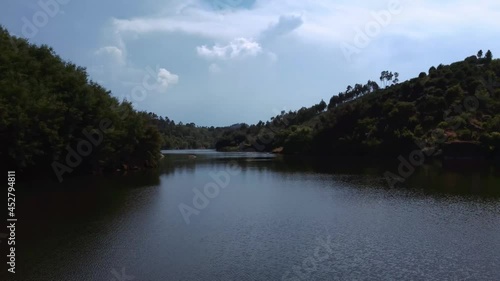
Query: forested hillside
x=186 y=136
x=54 y=120
x=449 y=103
x=457 y=102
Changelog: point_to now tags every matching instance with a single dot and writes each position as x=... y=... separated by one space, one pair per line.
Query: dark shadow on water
x=433 y=177
x=477 y=180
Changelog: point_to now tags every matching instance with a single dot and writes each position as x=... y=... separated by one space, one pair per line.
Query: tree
x=386 y=77
x=489 y=56
x=321 y=106
x=334 y=101
x=342 y=98
x=298 y=141
x=396 y=78
x=480 y=54
x=454 y=93
x=373 y=86
x=358 y=90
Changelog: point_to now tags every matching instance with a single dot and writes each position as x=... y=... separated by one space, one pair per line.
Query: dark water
x=265 y=219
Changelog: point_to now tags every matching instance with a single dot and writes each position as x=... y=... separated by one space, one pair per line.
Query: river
x=256 y=216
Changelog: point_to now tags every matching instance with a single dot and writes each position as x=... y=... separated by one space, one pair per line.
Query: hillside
x=54 y=121
x=449 y=103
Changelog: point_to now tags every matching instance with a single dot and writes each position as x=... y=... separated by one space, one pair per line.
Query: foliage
x=49 y=107
x=185 y=136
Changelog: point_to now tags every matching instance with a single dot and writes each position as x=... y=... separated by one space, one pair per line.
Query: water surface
x=271 y=219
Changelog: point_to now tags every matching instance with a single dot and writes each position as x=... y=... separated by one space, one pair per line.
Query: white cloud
x=323 y=21
x=238 y=48
x=165 y=78
x=112 y=66
x=113 y=54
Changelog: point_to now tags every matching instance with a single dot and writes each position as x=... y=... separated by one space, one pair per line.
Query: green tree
x=50 y=107
x=396 y=78
x=321 y=106
x=386 y=77
x=489 y=56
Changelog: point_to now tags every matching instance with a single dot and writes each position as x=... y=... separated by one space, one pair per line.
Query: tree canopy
x=53 y=118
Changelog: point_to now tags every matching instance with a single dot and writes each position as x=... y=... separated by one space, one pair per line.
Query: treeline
x=55 y=121
x=458 y=102
x=186 y=136
x=290 y=129
x=453 y=103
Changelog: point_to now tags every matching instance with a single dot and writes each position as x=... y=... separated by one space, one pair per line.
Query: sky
x=221 y=62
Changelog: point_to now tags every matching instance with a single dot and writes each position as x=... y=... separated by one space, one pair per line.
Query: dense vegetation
x=186 y=136
x=457 y=102
x=54 y=119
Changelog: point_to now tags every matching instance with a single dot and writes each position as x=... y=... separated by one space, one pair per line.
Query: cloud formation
x=238 y=48
x=165 y=78
x=323 y=21
x=112 y=53
x=114 y=67
x=285 y=24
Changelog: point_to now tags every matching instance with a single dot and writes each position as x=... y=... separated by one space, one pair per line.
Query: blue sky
x=227 y=61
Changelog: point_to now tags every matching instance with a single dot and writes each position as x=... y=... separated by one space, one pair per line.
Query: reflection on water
x=269 y=219
x=470 y=180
